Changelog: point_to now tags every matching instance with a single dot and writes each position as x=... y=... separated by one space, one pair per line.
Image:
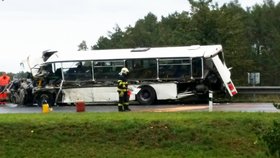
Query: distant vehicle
x=162 y=73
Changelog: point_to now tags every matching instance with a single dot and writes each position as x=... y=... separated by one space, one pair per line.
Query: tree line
x=250 y=37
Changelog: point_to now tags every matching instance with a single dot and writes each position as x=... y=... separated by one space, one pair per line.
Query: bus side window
x=174 y=69
x=197 y=67
x=107 y=70
x=142 y=68
x=70 y=74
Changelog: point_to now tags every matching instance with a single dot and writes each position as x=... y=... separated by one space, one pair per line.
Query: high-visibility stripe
x=122 y=90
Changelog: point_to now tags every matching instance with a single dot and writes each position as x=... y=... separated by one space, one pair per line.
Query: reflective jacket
x=4 y=80
x=122 y=83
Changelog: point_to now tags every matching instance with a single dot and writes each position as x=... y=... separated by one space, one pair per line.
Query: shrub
x=276 y=105
x=271 y=137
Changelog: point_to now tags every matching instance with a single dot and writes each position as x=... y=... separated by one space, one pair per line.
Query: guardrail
x=258 y=89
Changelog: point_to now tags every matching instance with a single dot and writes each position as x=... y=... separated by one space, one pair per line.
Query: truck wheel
x=45 y=97
x=146 y=95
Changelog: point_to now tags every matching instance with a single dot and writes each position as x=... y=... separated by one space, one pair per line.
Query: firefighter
x=123 y=90
x=4 y=81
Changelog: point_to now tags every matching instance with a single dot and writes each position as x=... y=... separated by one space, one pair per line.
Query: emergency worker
x=123 y=90
x=4 y=81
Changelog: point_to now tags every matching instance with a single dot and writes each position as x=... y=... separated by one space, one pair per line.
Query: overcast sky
x=28 y=27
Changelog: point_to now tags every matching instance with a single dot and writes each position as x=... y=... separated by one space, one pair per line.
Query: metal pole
x=210 y=101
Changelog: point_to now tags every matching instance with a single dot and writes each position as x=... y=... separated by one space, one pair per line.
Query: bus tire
x=13 y=98
x=146 y=96
x=45 y=97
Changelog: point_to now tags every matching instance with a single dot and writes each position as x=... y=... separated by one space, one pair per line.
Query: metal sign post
x=254 y=79
x=210 y=101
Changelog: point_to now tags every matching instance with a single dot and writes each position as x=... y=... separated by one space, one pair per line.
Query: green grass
x=186 y=134
x=264 y=98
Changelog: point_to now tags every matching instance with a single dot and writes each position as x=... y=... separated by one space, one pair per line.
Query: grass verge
x=196 y=134
x=263 y=98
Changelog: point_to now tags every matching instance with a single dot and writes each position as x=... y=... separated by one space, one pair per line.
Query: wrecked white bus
x=162 y=73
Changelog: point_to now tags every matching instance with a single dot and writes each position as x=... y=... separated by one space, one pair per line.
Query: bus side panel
x=105 y=94
x=92 y=94
x=165 y=90
x=73 y=94
x=225 y=75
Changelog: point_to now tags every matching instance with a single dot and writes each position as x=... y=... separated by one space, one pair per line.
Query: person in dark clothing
x=123 y=90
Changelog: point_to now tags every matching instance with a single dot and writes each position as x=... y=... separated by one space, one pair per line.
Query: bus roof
x=138 y=53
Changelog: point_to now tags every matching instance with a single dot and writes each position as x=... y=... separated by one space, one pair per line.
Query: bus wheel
x=146 y=95
x=45 y=97
x=13 y=98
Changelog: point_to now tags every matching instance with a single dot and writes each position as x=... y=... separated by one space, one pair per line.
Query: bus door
x=197 y=68
x=225 y=75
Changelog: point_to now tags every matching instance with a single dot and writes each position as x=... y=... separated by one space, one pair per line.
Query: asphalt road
x=236 y=107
